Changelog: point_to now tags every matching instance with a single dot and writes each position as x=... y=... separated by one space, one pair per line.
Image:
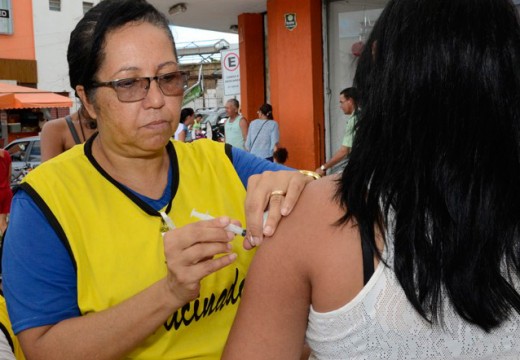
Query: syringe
x=231 y=227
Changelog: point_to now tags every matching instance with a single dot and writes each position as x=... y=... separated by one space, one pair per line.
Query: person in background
x=235 y=127
x=263 y=134
x=280 y=155
x=187 y=118
x=348 y=102
x=413 y=252
x=118 y=267
x=61 y=134
x=6 y=195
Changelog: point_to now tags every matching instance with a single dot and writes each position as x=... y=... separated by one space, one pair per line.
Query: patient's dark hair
x=435 y=161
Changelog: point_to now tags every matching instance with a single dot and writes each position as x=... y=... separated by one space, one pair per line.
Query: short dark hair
x=351 y=93
x=85 y=52
x=280 y=155
x=435 y=162
x=234 y=102
x=185 y=113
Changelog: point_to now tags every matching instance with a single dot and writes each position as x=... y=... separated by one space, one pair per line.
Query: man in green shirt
x=348 y=99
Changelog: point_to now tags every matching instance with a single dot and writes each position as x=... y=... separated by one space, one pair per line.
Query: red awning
x=20 y=97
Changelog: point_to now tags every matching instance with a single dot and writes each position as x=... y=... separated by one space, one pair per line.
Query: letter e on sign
x=231 y=61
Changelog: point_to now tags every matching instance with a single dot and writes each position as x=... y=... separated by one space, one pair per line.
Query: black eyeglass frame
x=115 y=84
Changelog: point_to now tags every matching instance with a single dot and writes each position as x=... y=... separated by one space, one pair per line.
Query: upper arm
x=275 y=134
x=39 y=280
x=243 y=126
x=272 y=317
x=248 y=139
x=51 y=139
x=247 y=164
x=340 y=154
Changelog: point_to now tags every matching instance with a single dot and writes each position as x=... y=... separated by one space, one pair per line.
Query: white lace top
x=380 y=323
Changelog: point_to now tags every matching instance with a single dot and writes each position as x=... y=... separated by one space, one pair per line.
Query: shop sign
x=290 y=21
x=6 y=17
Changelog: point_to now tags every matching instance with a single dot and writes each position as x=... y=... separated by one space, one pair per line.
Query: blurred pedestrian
x=348 y=102
x=280 y=155
x=263 y=134
x=235 y=127
x=187 y=118
x=62 y=134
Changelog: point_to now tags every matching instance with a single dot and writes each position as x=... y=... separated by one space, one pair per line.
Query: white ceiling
x=219 y=15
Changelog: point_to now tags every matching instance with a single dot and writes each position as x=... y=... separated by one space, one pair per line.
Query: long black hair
x=435 y=160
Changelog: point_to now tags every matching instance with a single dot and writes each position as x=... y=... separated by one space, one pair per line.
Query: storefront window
x=55 y=5
x=346 y=30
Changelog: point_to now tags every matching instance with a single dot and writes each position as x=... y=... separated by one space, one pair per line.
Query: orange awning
x=20 y=97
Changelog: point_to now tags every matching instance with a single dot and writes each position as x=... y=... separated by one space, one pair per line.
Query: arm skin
x=52 y=139
x=308 y=261
x=182 y=136
x=272 y=317
x=258 y=199
x=114 y=332
x=243 y=126
x=336 y=158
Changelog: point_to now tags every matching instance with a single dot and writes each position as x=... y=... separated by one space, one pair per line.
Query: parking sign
x=230 y=71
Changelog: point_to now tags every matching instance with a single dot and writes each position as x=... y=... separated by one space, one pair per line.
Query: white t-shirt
x=180 y=129
x=380 y=323
x=5 y=350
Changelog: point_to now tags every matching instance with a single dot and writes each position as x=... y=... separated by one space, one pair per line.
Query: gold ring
x=278 y=192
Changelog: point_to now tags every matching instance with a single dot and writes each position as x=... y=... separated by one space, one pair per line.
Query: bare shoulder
x=311 y=220
x=53 y=138
x=317 y=206
x=328 y=254
x=54 y=126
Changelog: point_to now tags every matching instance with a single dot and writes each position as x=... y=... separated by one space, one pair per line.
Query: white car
x=25 y=155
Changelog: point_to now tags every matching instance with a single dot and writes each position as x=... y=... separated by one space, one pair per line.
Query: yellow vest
x=118 y=249
x=5 y=326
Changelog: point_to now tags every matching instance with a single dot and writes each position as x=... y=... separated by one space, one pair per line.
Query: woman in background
x=61 y=134
x=263 y=135
x=187 y=118
x=414 y=252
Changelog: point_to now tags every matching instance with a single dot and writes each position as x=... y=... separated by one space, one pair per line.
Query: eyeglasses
x=136 y=89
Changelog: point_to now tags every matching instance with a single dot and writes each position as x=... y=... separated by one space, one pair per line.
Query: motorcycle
x=20 y=174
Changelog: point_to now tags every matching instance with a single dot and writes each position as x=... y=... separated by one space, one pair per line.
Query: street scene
x=259 y=179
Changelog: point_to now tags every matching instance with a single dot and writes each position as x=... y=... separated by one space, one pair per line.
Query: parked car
x=212 y=115
x=26 y=155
